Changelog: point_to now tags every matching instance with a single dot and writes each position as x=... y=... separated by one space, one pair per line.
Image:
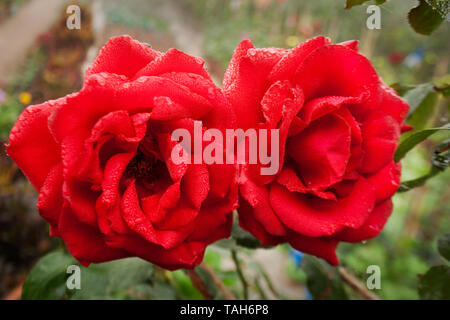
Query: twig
x=220 y=285
x=198 y=284
x=240 y=273
x=356 y=285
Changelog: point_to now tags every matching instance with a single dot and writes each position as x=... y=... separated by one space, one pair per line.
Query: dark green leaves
x=424 y=18
x=323 y=281
x=243 y=238
x=415 y=139
x=112 y=280
x=352 y=3
x=435 y=284
x=423 y=100
x=47 y=279
x=416 y=96
x=444 y=246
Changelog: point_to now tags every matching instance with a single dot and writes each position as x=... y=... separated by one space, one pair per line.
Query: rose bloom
x=339 y=126
x=100 y=159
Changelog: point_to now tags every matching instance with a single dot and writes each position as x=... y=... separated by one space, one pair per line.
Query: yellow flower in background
x=25 y=97
x=292 y=41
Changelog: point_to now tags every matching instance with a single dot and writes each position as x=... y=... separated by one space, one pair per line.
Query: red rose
x=338 y=125
x=100 y=159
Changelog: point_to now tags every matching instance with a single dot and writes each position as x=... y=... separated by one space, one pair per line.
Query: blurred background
x=41 y=59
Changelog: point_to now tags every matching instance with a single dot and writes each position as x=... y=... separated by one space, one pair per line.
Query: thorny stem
x=240 y=273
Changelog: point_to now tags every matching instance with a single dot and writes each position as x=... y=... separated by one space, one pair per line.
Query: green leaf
x=424 y=19
x=414 y=183
x=422 y=101
x=47 y=279
x=415 y=96
x=352 y=3
x=244 y=238
x=435 y=284
x=414 y=139
x=401 y=89
x=442 y=6
x=439 y=163
x=323 y=281
x=444 y=246
x=112 y=280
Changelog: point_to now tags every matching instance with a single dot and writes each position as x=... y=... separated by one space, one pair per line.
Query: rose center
x=145 y=167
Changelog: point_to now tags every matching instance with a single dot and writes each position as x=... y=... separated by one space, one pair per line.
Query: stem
x=260 y=289
x=268 y=281
x=199 y=284
x=220 y=285
x=240 y=273
x=356 y=285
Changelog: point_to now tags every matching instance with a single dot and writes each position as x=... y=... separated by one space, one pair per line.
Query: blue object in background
x=415 y=58
x=297 y=257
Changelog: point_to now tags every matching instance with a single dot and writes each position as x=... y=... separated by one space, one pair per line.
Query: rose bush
x=100 y=159
x=339 y=126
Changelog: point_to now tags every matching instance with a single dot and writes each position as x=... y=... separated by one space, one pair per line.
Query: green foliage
x=440 y=161
x=184 y=286
x=244 y=238
x=9 y=112
x=113 y=280
x=417 y=96
x=352 y=3
x=323 y=281
x=47 y=279
x=415 y=139
x=424 y=19
x=444 y=246
x=435 y=284
x=120 y=279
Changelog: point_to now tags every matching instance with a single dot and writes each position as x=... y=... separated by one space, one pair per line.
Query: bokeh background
x=41 y=59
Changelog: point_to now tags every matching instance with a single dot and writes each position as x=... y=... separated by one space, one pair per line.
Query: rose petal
x=84 y=242
x=174 y=60
x=386 y=181
x=122 y=55
x=27 y=137
x=380 y=134
x=285 y=68
x=371 y=228
x=321 y=151
x=248 y=222
x=324 y=247
x=315 y=217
